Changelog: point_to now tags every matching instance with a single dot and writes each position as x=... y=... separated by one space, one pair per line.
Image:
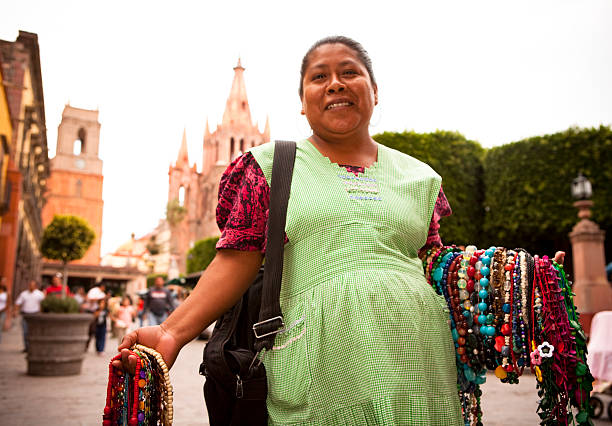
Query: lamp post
x=593 y=294
x=581 y=188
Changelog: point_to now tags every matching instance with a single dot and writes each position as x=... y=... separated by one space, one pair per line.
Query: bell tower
x=75 y=184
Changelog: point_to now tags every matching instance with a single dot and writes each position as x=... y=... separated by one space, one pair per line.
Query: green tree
x=459 y=162
x=201 y=254
x=175 y=213
x=66 y=238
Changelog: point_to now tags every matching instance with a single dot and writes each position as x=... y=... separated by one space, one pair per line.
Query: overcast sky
x=495 y=71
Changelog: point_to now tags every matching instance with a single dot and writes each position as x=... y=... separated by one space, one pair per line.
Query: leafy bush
x=59 y=305
x=528 y=201
x=201 y=254
x=459 y=162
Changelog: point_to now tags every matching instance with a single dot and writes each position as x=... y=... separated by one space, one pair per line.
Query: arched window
x=181 y=196
x=232 y=143
x=78 y=188
x=241 y=145
x=79 y=144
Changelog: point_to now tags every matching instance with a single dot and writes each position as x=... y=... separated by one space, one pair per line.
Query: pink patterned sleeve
x=441 y=209
x=242 y=212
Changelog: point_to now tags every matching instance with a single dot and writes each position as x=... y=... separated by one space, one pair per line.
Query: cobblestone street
x=79 y=400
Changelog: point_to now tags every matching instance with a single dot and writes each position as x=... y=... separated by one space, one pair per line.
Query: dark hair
x=362 y=55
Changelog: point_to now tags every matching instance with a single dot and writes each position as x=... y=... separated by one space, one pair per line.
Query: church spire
x=266 y=133
x=237 y=106
x=183 y=157
x=207 y=130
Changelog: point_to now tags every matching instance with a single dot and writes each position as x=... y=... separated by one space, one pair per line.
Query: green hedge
x=528 y=201
x=201 y=254
x=459 y=162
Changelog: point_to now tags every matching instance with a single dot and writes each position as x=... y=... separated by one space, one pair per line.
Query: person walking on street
x=28 y=302
x=56 y=286
x=3 y=305
x=100 y=329
x=158 y=303
x=123 y=317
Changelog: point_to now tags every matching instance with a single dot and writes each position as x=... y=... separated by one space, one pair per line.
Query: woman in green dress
x=369 y=340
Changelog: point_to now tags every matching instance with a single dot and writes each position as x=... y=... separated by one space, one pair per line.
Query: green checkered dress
x=368 y=341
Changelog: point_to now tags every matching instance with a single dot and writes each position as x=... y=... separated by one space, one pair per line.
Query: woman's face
x=338 y=97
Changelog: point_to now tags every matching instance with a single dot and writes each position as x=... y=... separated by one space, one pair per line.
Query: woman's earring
x=376 y=116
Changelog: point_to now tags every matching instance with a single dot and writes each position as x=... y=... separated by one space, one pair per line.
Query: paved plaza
x=79 y=400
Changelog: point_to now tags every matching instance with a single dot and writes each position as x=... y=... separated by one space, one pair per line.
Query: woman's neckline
x=343 y=167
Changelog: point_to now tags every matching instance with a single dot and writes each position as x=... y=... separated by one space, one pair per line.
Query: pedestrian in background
x=100 y=315
x=28 y=302
x=158 y=303
x=141 y=311
x=3 y=305
x=56 y=286
x=123 y=317
x=80 y=296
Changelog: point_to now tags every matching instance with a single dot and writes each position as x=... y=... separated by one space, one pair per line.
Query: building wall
x=67 y=197
x=28 y=165
x=6 y=132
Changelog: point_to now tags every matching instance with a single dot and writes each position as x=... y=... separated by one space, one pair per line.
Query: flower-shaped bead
x=546 y=350
x=536 y=358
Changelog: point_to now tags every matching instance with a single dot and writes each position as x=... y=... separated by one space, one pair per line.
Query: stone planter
x=56 y=343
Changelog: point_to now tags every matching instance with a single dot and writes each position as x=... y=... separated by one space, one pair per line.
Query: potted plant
x=57 y=336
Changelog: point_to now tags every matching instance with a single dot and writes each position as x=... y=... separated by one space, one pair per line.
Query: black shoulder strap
x=270 y=315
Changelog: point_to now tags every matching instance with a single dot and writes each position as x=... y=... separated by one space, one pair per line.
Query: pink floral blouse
x=244 y=196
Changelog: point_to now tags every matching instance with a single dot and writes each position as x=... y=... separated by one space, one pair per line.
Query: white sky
x=495 y=71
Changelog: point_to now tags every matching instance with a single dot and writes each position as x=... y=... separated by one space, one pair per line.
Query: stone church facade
x=192 y=195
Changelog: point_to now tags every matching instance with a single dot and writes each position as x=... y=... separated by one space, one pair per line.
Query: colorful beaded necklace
x=144 y=398
x=500 y=302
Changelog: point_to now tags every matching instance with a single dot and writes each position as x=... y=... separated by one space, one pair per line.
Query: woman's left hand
x=559 y=257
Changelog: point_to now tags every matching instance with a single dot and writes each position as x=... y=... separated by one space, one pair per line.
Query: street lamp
x=581 y=188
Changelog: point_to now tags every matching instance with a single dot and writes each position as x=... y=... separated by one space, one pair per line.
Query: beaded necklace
x=144 y=398
x=503 y=304
x=581 y=386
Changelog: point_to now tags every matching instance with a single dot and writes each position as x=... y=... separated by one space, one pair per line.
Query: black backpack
x=236 y=386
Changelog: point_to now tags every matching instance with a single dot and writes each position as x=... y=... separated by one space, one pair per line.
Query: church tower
x=182 y=209
x=236 y=133
x=197 y=192
x=75 y=184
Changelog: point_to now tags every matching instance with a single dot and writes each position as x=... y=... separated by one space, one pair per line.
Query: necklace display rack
x=510 y=311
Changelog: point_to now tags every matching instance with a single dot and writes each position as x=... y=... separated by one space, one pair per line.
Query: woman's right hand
x=154 y=337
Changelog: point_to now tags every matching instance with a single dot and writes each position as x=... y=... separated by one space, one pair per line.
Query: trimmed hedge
x=459 y=162
x=528 y=201
x=201 y=254
x=518 y=194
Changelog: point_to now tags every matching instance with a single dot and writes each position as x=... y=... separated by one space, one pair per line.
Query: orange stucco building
x=75 y=183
